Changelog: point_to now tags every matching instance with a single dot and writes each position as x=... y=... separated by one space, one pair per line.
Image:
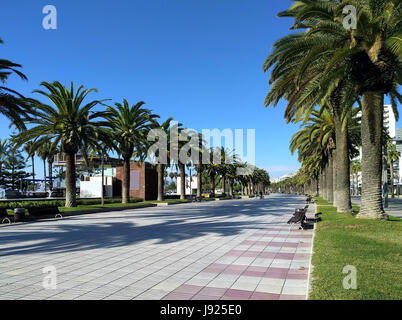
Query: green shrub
x=31 y=204
x=59 y=203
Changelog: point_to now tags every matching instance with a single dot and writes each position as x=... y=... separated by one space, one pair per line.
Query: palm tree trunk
x=231 y=188
x=161 y=170
x=50 y=168
x=182 y=181
x=126 y=180
x=320 y=184
x=213 y=185
x=44 y=172
x=330 y=179
x=371 y=135
x=342 y=168
x=223 y=184
x=70 y=180
x=199 y=181
x=33 y=170
x=324 y=183
x=334 y=174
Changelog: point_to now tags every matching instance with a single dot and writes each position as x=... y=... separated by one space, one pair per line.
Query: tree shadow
x=102 y=231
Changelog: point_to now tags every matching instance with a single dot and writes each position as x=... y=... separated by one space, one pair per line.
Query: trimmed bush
x=59 y=203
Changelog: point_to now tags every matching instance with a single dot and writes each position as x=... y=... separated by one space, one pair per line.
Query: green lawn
x=373 y=247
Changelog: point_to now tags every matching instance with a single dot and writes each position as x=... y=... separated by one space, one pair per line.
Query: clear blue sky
x=199 y=61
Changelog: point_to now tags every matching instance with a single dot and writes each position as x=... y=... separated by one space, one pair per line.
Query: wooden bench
x=299 y=216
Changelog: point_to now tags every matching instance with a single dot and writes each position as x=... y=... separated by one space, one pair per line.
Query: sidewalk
x=271 y=264
x=394 y=205
x=235 y=250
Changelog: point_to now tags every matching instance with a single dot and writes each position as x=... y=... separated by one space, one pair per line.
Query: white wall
x=193 y=185
x=90 y=189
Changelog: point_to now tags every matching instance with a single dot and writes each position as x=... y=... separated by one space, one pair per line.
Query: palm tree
x=171 y=175
x=392 y=155
x=130 y=126
x=4 y=152
x=180 y=160
x=212 y=170
x=303 y=54
x=46 y=151
x=199 y=165
x=372 y=53
x=65 y=123
x=43 y=153
x=161 y=166
x=12 y=103
x=227 y=158
x=28 y=148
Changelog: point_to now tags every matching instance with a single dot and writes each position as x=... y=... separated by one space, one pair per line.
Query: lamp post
x=191 y=190
x=103 y=178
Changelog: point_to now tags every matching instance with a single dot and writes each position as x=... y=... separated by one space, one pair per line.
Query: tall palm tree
x=161 y=166
x=12 y=103
x=302 y=54
x=46 y=151
x=372 y=52
x=67 y=123
x=212 y=171
x=180 y=160
x=227 y=158
x=4 y=152
x=28 y=148
x=43 y=153
x=130 y=126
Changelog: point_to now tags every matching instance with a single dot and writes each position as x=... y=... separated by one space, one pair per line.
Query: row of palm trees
x=323 y=71
x=67 y=122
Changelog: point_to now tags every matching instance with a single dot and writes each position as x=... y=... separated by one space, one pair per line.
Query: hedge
x=59 y=203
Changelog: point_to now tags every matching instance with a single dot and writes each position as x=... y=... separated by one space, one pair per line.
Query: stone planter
x=19 y=214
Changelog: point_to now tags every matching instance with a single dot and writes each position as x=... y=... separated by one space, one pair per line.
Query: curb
x=310 y=266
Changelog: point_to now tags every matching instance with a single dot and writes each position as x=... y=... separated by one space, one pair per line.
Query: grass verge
x=373 y=247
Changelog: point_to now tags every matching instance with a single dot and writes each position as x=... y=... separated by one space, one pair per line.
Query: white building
x=191 y=185
x=282 y=178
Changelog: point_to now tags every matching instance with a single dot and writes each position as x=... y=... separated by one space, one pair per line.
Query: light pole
x=191 y=190
x=103 y=178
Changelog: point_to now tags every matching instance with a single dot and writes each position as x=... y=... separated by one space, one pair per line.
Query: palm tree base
x=375 y=216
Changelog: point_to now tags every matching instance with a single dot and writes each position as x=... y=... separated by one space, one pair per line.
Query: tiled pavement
x=236 y=250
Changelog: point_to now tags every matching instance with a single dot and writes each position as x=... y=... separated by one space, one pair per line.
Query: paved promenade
x=394 y=205
x=236 y=250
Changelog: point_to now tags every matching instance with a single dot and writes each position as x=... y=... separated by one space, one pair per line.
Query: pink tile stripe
x=238 y=294
x=278 y=240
